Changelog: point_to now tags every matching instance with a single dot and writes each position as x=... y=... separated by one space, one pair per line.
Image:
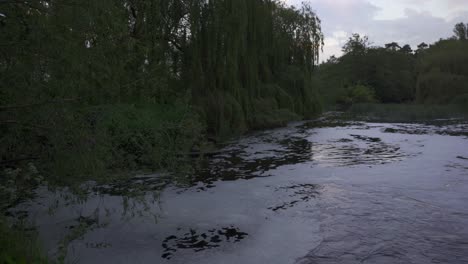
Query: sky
x=384 y=21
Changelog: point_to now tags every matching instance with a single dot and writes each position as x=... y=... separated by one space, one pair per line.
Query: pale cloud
x=334 y=44
x=438 y=8
x=403 y=21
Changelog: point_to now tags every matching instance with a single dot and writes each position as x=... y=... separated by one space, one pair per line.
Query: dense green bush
x=443 y=73
x=361 y=94
x=357 y=94
x=265 y=117
x=91 y=142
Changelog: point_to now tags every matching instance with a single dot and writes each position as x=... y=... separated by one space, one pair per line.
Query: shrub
x=77 y=144
x=357 y=94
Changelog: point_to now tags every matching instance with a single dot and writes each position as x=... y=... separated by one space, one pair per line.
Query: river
x=313 y=192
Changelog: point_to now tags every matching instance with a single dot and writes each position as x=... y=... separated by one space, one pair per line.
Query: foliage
x=356 y=45
x=435 y=74
x=407 y=112
x=390 y=71
x=18 y=246
x=359 y=94
x=241 y=48
x=90 y=88
x=90 y=142
x=461 y=31
x=392 y=46
x=443 y=73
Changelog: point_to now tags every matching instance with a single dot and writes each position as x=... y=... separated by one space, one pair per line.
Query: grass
x=18 y=246
x=406 y=112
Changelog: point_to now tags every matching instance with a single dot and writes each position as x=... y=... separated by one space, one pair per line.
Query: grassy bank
x=19 y=246
x=406 y=112
x=74 y=144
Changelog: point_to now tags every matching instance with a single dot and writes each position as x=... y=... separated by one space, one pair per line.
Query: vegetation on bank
x=432 y=74
x=94 y=89
x=18 y=246
x=90 y=89
x=407 y=112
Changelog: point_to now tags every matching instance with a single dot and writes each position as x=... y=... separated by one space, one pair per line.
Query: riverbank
x=405 y=113
x=18 y=245
x=126 y=187
x=107 y=145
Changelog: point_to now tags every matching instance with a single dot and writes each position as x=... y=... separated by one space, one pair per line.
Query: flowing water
x=316 y=192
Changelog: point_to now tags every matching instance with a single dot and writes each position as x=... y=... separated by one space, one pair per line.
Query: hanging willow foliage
x=70 y=66
x=239 y=47
x=222 y=51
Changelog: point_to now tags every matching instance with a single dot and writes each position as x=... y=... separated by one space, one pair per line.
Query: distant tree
x=333 y=59
x=406 y=49
x=356 y=44
x=461 y=31
x=443 y=73
x=421 y=47
x=392 y=46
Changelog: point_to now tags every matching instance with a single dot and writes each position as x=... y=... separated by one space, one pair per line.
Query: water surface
x=316 y=192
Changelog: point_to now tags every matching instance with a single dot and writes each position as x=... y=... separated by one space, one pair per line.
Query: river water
x=314 y=192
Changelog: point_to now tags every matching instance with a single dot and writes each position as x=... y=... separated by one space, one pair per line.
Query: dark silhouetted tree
x=421 y=47
x=333 y=59
x=406 y=49
x=461 y=31
x=392 y=46
x=356 y=44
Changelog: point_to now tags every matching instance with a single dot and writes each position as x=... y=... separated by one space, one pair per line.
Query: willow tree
x=241 y=52
x=70 y=65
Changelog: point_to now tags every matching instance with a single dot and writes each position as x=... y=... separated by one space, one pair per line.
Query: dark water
x=317 y=192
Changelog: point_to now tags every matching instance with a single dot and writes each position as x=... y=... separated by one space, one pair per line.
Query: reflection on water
x=296 y=194
x=197 y=241
x=324 y=191
x=254 y=158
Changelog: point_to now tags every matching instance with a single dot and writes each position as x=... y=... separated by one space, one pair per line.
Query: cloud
x=455 y=3
x=414 y=28
x=402 y=21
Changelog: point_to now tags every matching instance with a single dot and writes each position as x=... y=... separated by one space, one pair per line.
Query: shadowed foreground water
x=309 y=193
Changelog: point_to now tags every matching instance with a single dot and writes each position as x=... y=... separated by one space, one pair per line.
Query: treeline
x=93 y=86
x=432 y=74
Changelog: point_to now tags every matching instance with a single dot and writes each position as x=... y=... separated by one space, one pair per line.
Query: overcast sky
x=403 y=21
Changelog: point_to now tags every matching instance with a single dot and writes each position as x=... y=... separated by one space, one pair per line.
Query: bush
x=223 y=114
x=77 y=144
x=268 y=115
x=443 y=73
x=406 y=112
x=357 y=94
